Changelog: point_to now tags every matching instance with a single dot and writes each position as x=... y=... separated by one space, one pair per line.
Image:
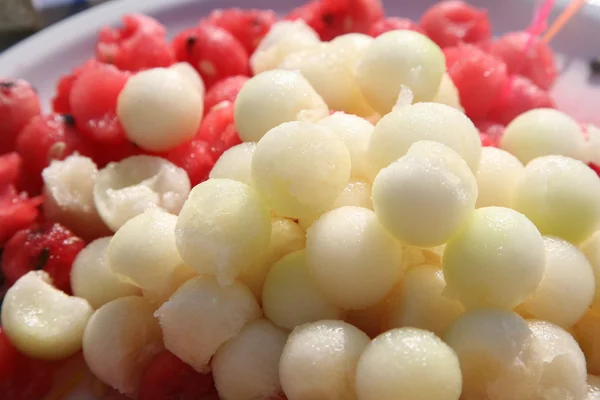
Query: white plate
x=44 y=57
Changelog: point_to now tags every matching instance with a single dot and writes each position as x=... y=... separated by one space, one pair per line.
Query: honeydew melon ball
x=300 y=168
x=567 y=287
x=426 y=196
x=319 y=360
x=222 y=228
x=561 y=196
x=543 y=132
x=408 y=363
x=398 y=58
x=352 y=258
x=397 y=131
x=272 y=98
x=497 y=177
x=497 y=259
x=500 y=357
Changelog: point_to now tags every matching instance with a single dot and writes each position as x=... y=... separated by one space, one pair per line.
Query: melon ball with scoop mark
x=426 y=196
x=542 y=132
x=222 y=228
x=500 y=357
x=398 y=58
x=300 y=168
x=397 y=131
x=561 y=196
x=319 y=360
x=408 y=363
x=567 y=287
x=496 y=259
x=272 y=98
x=352 y=258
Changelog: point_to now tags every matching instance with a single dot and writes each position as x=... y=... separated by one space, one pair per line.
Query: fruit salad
x=332 y=204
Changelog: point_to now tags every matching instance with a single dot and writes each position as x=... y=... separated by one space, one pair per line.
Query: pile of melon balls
x=376 y=252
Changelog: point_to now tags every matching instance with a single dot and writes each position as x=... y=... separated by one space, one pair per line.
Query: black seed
x=42 y=259
x=327 y=19
x=595 y=65
x=68 y=119
x=191 y=41
x=7 y=84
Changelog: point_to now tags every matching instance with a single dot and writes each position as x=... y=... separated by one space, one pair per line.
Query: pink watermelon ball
x=247 y=26
x=450 y=23
x=392 y=24
x=19 y=103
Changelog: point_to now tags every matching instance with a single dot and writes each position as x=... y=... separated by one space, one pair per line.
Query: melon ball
x=567 y=287
x=69 y=196
x=587 y=333
x=500 y=358
x=350 y=46
x=398 y=58
x=369 y=320
x=126 y=188
x=247 y=366
x=591 y=249
x=180 y=275
x=286 y=237
x=202 y=315
x=319 y=360
x=272 y=98
x=497 y=177
x=408 y=363
x=561 y=196
x=419 y=302
x=356 y=133
x=426 y=196
x=159 y=109
x=300 y=168
x=356 y=193
x=497 y=259
x=42 y=321
x=593 y=388
x=189 y=73
x=564 y=375
x=120 y=340
x=352 y=258
x=93 y=279
x=143 y=251
x=291 y=298
x=447 y=93
x=284 y=38
x=543 y=132
x=397 y=131
x=331 y=76
x=235 y=163
x=222 y=227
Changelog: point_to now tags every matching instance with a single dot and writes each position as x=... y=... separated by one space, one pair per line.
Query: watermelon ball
x=51 y=248
x=392 y=24
x=17 y=210
x=218 y=129
x=449 y=23
x=331 y=18
x=18 y=104
x=60 y=102
x=93 y=101
x=518 y=96
x=167 y=377
x=195 y=158
x=537 y=63
x=139 y=44
x=224 y=90
x=479 y=78
x=247 y=26
x=46 y=138
x=214 y=52
x=490 y=133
